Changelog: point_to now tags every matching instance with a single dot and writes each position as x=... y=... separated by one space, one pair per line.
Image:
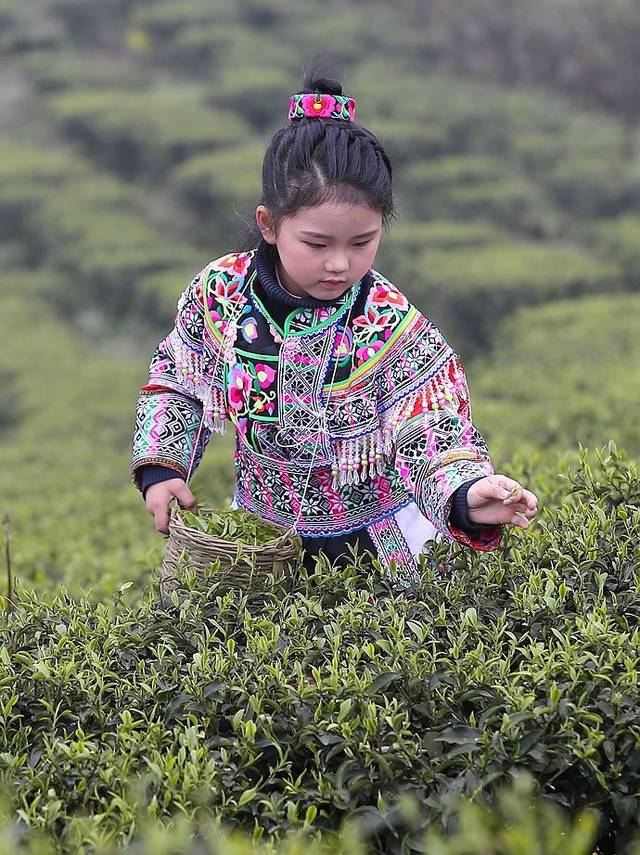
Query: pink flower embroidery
x=324 y=313
x=218 y=322
x=265 y=375
x=405 y=473
x=342 y=345
x=301 y=359
x=366 y=352
x=373 y=319
x=322 y=106
x=224 y=290
x=385 y=294
x=239 y=387
x=234 y=263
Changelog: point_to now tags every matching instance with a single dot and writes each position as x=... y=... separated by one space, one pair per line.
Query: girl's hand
x=158 y=498
x=496 y=500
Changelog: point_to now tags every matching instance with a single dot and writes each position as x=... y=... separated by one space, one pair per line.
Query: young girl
x=351 y=411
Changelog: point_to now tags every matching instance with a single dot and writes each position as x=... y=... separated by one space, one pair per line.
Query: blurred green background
x=131 y=138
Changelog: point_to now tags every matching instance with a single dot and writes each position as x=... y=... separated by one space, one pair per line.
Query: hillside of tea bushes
x=334 y=697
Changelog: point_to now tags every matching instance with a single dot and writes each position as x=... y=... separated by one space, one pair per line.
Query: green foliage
x=473 y=186
x=209 y=48
x=619 y=239
x=9 y=400
x=235 y=525
x=66 y=71
x=333 y=700
x=144 y=132
x=442 y=235
x=163 y=19
x=432 y=175
x=559 y=374
x=519 y=825
x=26 y=169
x=224 y=185
x=591 y=187
x=155 y=296
x=468 y=290
x=256 y=88
x=64 y=456
x=102 y=243
x=97 y=235
x=25 y=27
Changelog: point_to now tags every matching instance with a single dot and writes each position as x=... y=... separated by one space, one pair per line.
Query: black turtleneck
x=277 y=300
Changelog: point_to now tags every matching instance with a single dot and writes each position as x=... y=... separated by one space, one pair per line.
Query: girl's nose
x=337 y=264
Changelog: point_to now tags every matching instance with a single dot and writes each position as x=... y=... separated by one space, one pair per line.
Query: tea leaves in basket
x=235 y=525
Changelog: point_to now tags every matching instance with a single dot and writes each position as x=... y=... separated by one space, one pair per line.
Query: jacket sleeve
x=438 y=449
x=183 y=400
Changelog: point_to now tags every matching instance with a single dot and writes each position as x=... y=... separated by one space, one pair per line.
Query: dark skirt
x=335 y=548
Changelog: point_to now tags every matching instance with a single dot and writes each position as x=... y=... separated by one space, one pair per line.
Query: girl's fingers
x=161 y=516
x=524 y=508
x=521 y=521
x=184 y=495
x=504 y=488
x=522 y=497
x=514 y=495
x=510 y=492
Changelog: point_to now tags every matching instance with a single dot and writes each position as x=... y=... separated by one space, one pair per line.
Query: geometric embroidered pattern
x=394 y=551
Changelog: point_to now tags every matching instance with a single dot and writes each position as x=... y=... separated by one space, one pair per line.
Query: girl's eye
x=322 y=246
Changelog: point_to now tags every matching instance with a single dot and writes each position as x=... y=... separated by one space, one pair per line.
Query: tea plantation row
x=335 y=697
x=518 y=824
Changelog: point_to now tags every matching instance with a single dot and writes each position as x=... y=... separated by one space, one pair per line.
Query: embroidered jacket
x=347 y=416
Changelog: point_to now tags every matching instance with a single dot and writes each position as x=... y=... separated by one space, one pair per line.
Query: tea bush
x=519 y=824
x=469 y=290
x=591 y=187
x=144 y=132
x=224 y=185
x=472 y=186
x=94 y=234
x=52 y=71
x=332 y=698
x=560 y=374
x=619 y=238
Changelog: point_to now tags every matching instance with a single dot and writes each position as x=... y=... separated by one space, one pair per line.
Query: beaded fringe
x=365 y=456
x=356 y=459
x=191 y=373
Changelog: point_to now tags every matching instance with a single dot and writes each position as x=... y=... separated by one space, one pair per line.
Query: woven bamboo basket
x=241 y=565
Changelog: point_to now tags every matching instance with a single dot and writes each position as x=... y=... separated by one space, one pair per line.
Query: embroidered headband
x=317 y=106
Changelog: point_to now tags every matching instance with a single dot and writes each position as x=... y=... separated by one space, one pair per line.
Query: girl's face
x=323 y=250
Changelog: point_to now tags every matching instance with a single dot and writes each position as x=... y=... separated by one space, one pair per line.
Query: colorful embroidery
x=249 y=329
x=367 y=393
x=317 y=106
x=393 y=549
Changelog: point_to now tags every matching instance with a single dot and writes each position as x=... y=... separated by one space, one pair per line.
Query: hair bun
x=324 y=85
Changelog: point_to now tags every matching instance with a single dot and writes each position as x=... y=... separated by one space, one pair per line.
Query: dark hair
x=312 y=161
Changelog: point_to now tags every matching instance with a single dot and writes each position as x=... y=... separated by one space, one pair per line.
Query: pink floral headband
x=316 y=106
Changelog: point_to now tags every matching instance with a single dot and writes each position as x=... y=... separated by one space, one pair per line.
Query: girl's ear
x=265 y=224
